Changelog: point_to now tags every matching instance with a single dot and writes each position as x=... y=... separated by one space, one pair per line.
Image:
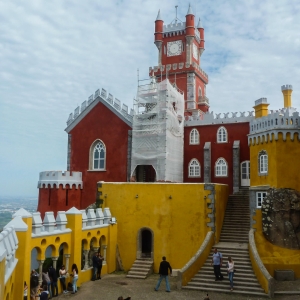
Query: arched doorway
x=145 y=243
x=145 y=173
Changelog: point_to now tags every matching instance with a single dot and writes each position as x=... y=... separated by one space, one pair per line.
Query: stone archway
x=145 y=243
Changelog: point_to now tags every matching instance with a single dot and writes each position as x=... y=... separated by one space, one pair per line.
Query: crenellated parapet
x=210 y=118
x=179 y=67
x=284 y=121
x=74 y=231
x=114 y=103
x=8 y=247
x=60 y=178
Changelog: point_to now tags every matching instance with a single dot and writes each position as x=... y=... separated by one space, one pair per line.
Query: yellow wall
x=272 y=256
x=282 y=169
x=179 y=223
x=71 y=241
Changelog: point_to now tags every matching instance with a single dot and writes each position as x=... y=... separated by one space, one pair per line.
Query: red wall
x=208 y=133
x=103 y=124
x=60 y=199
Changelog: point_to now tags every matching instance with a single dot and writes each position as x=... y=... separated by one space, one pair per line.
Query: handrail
x=196 y=262
x=265 y=279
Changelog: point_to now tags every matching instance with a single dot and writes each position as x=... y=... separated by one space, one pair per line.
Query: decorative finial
x=158 y=16
x=199 y=24
x=190 y=12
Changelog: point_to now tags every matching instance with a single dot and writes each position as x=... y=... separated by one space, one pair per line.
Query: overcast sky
x=55 y=54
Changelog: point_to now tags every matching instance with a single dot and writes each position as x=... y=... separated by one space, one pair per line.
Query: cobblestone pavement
x=111 y=286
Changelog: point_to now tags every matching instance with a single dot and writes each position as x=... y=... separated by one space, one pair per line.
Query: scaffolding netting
x=157 y=130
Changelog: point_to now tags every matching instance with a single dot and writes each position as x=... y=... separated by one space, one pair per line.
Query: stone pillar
x=86 y=259
x=67 y=257
x=207 y=162
x=236 y=166
x=96 y=249
x=54 y=260
x=104 y=247
x=41 y=262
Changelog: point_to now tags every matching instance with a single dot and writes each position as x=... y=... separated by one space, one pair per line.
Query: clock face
x=195 y=51
x=174 y=48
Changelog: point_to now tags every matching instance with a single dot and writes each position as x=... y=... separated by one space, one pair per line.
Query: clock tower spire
x=180 y=46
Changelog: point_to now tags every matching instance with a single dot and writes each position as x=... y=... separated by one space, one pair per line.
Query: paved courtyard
x=110 y=287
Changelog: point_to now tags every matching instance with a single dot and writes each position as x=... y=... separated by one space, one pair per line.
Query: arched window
x=222 y=135
x=221 y=168
x=263 y=162
x=194 y=168
x=98 y=156
x=194 y=137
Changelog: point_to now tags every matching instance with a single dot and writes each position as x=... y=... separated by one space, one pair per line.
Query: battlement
x=286 y=87
x=27 y=231
x=261 y=101
x=211 y=118
x=58 y=177
x=174 y=27
x=179 y=66
x=108 y=98
x=286 y=118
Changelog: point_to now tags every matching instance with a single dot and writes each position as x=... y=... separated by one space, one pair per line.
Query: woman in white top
x=75 y=278
x=230 y=271
x=62 y=277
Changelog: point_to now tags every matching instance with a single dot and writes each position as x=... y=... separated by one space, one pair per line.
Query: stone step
x=134 y=276
x=240 y=270
x=139 y=269
x=145 y=262
x=209 y=289
x=237 y=260
x=139 y=273
x=211 y=277
x=225 y=283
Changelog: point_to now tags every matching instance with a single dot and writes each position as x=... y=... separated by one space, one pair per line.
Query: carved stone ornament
x=281 y=217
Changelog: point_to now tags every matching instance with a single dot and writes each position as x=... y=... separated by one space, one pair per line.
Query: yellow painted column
x=287 y=94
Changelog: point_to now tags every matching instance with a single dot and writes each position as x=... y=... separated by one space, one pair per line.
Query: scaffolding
x=157 y=131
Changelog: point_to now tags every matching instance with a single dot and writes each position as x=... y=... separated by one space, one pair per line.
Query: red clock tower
x=180 y=46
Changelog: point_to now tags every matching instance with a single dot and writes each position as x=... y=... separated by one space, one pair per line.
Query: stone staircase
x=141 y=268
x=233 y=242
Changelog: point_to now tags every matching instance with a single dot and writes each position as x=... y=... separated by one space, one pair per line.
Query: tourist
x=100 y=261
x=44 y=294
x=75 y=278
x=25 y=291
x=95 y=266
x=53 y=277
x=230 y=271
x=47 y=281
x=163 y=272
x=217 y=263
x=34 y=284
x=62 y=278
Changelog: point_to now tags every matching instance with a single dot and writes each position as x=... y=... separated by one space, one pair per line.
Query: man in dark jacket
x=95 y=266
x=53 y=278
x=163 y=272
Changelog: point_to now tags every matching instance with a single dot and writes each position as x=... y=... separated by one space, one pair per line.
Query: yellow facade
x=177 y=214
x=283 y=172
x=71 y=240
x=275 y=135
x=261 y=110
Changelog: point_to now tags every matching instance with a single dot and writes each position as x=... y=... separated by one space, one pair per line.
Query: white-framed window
x=97 y=159
x=222 y=135
x=259 y=198
x=263 y=162
x=221 y=167
x=194 y=168
x=194 y=137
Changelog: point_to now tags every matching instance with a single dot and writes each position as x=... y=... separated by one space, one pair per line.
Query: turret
x=201 y=32
x=261 y=108
x=158 y=35
x=287 y=95
x=190 y=22
x=59 y=190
